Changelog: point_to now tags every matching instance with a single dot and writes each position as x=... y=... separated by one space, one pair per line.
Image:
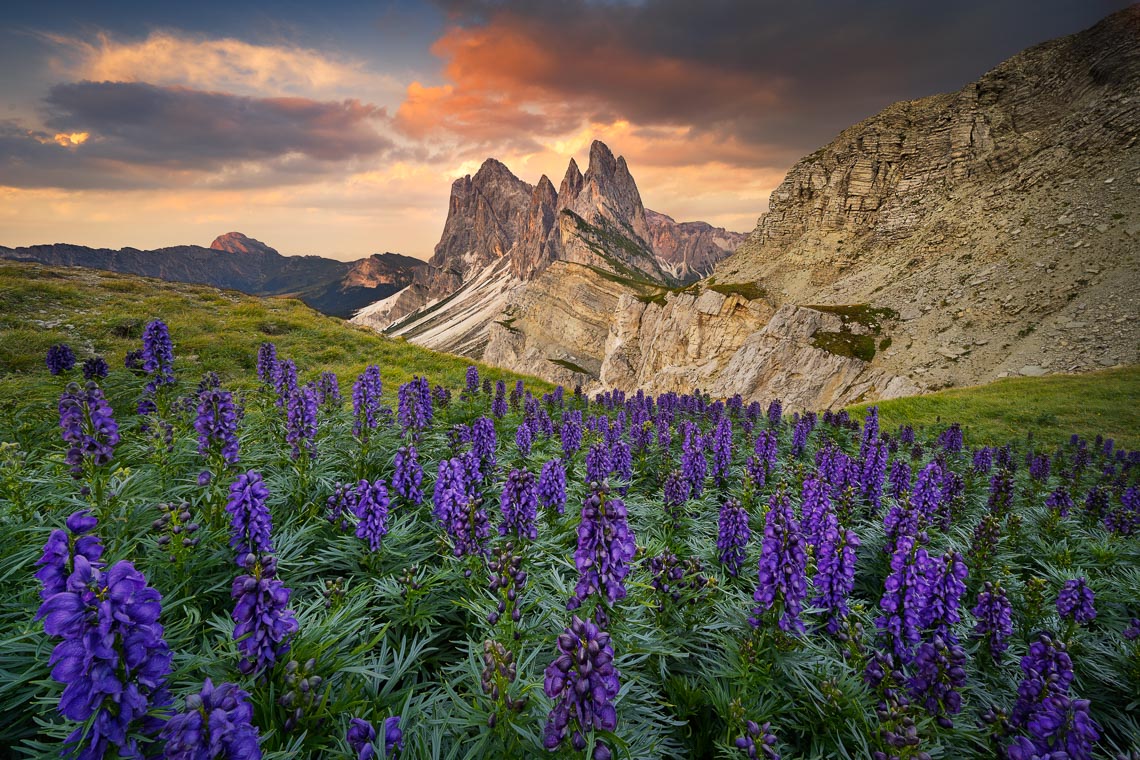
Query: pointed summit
x=571 y=184
x=236 y=242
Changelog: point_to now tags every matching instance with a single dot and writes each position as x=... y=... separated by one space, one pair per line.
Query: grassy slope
x=220 y=330
x=1052 y=408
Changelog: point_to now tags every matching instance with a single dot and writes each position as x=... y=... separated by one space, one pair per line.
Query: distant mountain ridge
x=501 y=233
x=233 y=260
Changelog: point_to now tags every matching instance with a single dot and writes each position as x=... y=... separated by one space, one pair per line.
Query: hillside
x=952 y=240
x=102 y=313
x=239 y=262
x=502 y=235
x=1042 y=407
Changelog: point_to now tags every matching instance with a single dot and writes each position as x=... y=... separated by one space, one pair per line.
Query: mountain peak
x=236 y=242
x=600 y=154
x=492 y=170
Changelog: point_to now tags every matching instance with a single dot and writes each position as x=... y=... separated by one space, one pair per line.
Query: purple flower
x=217 y=425
x=995 y=621
x=408 y=475
x=597 y=463
x=950 y=439
x=458 y=505
x=583 y=683
x=87 y=423
x=217 y=722
x=483 y=444
x=499 y=403
x=873 y=472
x=766 y=449
x=835 y=570
x=900 y=479
x=366 y=401
x=342 y=502
x=472 y=379
x=523 y=439
x=815 y=507
x=263 y=622
x=904 y=596
x=694 y=466
x=113 y=659
x=95 y=368
x=722 y=450
x=1039 y=467
x=157 y=355
x=983 y=460
x=60 y=359
x=944 y=586
x=361 y=738
x=800 y=436
x=938 y=674
x=250 y=523
x=519 y=505
x=1052 y=720
x=552 y=485
x=415 y=404
x=571 y=433
x=775 y=413
x=605 y=547
x=1075 y=602
x=753 y=733
x=284 y=381
x=328 y=390
x=732 y=536
x=56 y=563
x=301 y=422
x=371 y=509
x=782 y=583
x=266 y=363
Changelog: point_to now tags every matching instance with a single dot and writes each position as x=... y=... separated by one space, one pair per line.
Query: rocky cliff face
x=944 y=241
x=688 y=251
x=238 y=262
x=999 y=221
x=594 y=219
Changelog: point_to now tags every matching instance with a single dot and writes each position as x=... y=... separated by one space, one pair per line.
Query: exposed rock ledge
x=574 y=326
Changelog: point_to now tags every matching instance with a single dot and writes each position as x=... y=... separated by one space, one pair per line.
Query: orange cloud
x=503 y=78
x=72 y=139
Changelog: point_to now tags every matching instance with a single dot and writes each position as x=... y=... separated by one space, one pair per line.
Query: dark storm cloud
x=783 y=75
x=139 y=134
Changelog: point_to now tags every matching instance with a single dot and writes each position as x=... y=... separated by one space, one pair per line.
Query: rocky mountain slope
x=235 y=261
x=945 y=241
x=502 y=234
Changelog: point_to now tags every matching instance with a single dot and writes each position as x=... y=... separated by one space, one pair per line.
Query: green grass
x=1052 y=408
x=871 y=317
x=214 y=330
x=846 y=344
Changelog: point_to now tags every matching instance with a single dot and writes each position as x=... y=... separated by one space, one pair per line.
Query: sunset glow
x=340 y=134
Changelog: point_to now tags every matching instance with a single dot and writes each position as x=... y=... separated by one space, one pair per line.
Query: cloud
x=225 y=64
x=120 y=134
x=777 y=79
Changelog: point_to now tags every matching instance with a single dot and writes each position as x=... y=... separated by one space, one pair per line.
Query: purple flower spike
x=583 y=683
x=782 y=566
x=1075 y=602
x=605 y=547
x=217 y=722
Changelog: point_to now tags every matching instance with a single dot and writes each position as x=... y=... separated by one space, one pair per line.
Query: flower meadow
x=301 y=565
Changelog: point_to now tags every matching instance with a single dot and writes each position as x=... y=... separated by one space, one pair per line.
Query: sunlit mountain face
x=337 y=129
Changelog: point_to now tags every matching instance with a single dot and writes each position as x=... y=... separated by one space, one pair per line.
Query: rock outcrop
x=594 y=219
x=688 y=251
x=338 y=288
x=998 y=221
x=944 y=241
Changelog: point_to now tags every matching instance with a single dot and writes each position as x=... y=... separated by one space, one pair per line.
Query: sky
x=336 y=128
